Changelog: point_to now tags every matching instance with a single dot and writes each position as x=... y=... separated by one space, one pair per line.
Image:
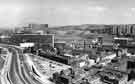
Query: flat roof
x=123 y=38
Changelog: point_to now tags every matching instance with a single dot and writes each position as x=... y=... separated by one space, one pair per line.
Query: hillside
x=69 y=33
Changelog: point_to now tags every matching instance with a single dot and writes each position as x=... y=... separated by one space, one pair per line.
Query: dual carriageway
x=16 y=70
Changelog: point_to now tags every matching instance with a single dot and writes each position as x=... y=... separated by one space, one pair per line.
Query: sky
x=15 y=13
x=66 y=12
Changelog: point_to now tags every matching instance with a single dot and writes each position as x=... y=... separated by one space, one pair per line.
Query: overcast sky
x=66 y=12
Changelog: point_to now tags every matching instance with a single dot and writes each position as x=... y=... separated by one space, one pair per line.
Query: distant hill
x=73 y=32
x=81 y=27
x=76 y=32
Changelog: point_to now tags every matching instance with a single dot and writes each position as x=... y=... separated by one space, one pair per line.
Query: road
x=15 y=69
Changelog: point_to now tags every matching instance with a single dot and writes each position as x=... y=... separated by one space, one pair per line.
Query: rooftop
x=113 y=74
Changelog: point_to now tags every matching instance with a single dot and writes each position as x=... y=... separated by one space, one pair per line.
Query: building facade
x=128 y=29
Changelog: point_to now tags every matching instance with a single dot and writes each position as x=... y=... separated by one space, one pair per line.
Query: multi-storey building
x=32 y=38
x=114 y=29
x=128 y=29
x=133 y=29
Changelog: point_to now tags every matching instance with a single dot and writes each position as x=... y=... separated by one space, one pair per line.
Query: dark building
x=60 y=45
x=38 y=25
x=130 y=65
x=16 y=39
x=131 y=75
